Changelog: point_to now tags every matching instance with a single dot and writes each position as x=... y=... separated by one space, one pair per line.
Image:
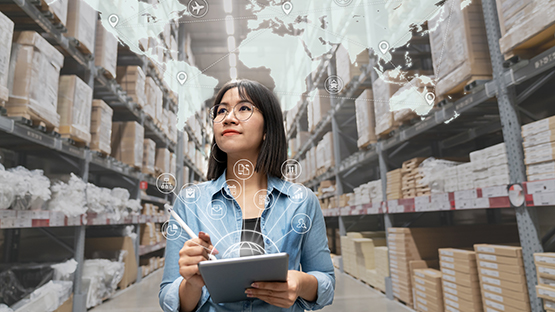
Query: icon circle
x=263 y=200
x=171 y=230
x=343 y=3
x=297 y=193
x=198 y=8
x=334 y=84
x=243 y=169
x=190 y=193
x=234 y=189
x=291 y=169
x=166 y=183
x=301 y=223
x=216 y=209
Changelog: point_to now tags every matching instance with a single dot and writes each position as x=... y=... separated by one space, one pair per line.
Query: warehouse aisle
x=350 y=295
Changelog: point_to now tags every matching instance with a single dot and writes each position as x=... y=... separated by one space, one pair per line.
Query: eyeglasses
x=242 y=111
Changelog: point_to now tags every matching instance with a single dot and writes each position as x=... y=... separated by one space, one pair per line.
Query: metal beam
x=534 y=87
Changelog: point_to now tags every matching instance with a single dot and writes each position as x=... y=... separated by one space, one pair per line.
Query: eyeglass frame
x=233 y=110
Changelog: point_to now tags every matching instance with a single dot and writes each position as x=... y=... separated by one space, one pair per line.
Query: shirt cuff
x=324 y=294
x=171 y=301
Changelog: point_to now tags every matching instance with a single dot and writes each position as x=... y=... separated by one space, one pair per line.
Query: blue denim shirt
x=294 y=225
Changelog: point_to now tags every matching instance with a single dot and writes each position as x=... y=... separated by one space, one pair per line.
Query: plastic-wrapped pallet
x=318 y=108
x=347 y=69
x=127 y=143
x=101 y=127
x=69 y=198
x=132 y=80
x=6 y=34
x=459 y=46
x=101 y=278
x=46 y=298
x=539 y=149
x=34 y=87
x=74 y=107
x=106 y=50
x=527 y=26
x=23 y=189
x=366 y=124
x=81 y=24
x=149 y=157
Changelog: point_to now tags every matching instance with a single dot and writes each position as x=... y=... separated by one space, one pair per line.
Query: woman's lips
x=230 y=133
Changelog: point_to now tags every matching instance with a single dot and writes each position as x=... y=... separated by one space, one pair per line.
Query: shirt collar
x=274 y=183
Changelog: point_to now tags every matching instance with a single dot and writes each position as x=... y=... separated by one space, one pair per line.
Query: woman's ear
x=264 y=137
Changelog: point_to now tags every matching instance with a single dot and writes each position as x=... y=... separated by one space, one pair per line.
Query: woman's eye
x=245 y=108
x=221 y=111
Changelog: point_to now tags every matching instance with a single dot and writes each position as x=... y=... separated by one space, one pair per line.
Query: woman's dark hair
x=273 y=151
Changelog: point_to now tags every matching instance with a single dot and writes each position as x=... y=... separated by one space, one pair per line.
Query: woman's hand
x=284 y=294
x=193 y=252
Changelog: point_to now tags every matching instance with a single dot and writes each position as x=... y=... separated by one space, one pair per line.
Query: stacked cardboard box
x=383 y=89
x=58 y=10
x=466 y=178
x=347 y=69
x=545 y=268
x=106 y=50
x=539 y=149
x=459 y=47
x=173 y=164
x=461 y=288
x=74 y=107
x=526 y=26
x=451 y=179
x=186 y=173
x=6 y=34
x=411 y=176
x=34 y=88
x=101 y=127
x=149 y=265
x=502 y=278
x=162 y=160
x=364 y=255
x=149 y=157
x=367 y=193
x=150 y=234
x=318 y=108
x=349 y=250
x=382 y=268
x=428 y=291
x=366 y=124
x=151 y=96
x=127 y=143
x=81 y=24
x=325 y=157
x=402 y=250
x=394 y=184
x=132 y=80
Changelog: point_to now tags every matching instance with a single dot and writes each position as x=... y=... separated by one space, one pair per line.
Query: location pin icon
x=113 y=20
x=287 y=7
x=182 y=77
x=384 y=46
x=430 y=98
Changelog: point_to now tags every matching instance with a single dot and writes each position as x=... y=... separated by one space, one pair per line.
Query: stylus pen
x=185 y=226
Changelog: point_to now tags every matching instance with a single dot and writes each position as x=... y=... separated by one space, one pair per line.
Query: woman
x=247 y=209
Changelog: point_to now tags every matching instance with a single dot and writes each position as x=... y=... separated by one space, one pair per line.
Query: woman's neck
x=257 y=181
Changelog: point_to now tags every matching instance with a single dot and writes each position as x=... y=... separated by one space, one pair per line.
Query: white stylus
x=185 y=226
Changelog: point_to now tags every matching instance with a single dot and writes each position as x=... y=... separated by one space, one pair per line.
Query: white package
x=100 y=279
x=69 y=198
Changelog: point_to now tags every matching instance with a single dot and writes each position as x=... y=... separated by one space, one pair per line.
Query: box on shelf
x=325 y=152
x=383 y=89
x=394 y=184
x=149 y=157
x=347 y=69
x=34 y=87
x=74 y=108
x=527 y=27
x=427 y=289
x=127 y=143
x=318 y=108
x=81 y=24
x=106 y=50
x=6 y=36
x=101 y=127
x=462 y=55
x=162 y=160
x=151 y=97
x=58 y=10
x=115 y=244
x=132 y=80
x=366 y=124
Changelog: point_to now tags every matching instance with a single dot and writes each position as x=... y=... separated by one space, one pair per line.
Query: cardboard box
x=499 y=250
x=58 y=9
x=500 y=259
x=116 y=244
x=513 y=269
x=101 y=127
x=517 y=295
x=513 y=277
x=459 y=266
x=383 y=89
x=127 y=143
x=462 y=291
x=543 y=137
x=549 y=305
x=517 y=304
x=151 y=97
x=34 y=87
x=366 y=124
x=489 y=303
x=162 y=160
x=132 y=80
x=74 y=108
x=6 y=34
x=149 y=157
x=462 y=54
x=106 y=50
x=470 y=295
x=318 y=108
x=511 y=285
x=539 y=126
x=81 y=24
x=459 y=278
x=462 y=305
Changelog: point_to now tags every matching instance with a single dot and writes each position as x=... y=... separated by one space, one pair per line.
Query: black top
x=252 y=242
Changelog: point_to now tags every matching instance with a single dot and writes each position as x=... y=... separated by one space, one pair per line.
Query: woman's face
x=234 y=136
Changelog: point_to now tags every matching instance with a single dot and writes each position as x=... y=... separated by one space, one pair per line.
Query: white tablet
x=227 y=279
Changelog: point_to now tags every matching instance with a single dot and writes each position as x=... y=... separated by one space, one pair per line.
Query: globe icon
x=243 y=249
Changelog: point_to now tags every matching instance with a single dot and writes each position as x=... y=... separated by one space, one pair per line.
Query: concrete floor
x=350 y=295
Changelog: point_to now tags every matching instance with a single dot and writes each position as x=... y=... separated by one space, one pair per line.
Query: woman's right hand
x=193 y=252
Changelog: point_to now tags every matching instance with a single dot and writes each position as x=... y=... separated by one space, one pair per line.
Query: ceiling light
x=232 y=60
x=231 y=43
x=227 y=6
x=233 y=73
x=229 y=25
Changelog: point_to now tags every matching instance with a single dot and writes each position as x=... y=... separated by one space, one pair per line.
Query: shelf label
x=464 y=204
x=467 y=194
x=422 y=203
x=544 y=199
x=536 y=187
x=495 y=191
x=481 y=203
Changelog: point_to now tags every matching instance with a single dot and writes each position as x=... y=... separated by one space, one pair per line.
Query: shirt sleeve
x=169 y=287
x=316 y=259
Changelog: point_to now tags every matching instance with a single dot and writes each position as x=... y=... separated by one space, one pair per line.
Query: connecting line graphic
x=283 y=236
x=280 y=217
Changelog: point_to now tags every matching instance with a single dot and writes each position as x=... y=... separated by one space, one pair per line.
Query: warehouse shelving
x=89 y=165
x=488 y=98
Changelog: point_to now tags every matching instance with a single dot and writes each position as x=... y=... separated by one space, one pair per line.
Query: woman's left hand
x=280 y=294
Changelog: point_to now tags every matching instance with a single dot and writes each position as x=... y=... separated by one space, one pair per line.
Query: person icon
x=301 y=225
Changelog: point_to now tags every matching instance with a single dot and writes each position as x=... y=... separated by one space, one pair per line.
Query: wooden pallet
x=26 y=116
x=75 y=136
x=100 y=153
x=44 y=8
x=461 y=89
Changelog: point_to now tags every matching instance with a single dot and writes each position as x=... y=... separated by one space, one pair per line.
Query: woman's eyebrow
x=242 y=101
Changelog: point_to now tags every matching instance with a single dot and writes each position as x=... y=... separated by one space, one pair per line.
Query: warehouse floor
x=350 y=295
